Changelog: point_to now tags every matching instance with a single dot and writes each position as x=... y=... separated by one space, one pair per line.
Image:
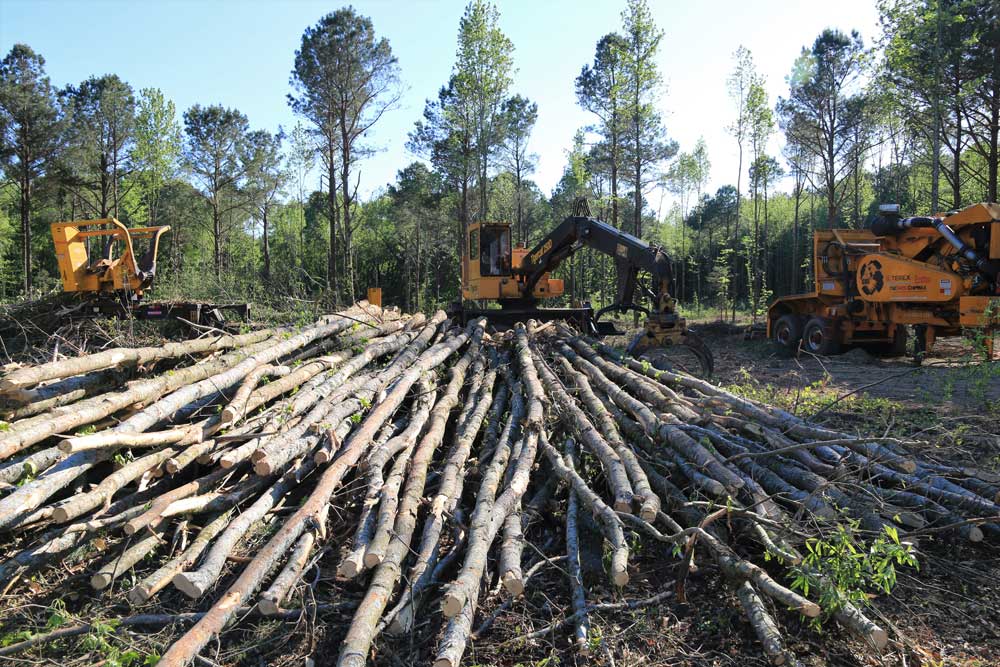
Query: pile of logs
x=463 y=446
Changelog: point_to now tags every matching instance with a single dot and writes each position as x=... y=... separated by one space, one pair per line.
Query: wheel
x=819 y=337
x=787 y=332
x=896 y=348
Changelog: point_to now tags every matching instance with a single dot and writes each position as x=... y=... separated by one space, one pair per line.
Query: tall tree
x=520 y=115
x=600 y=90
x=158 y=146
x=824 y=109
x=740 y=82
x=933 y=62
x=647 y=144
x=345 y=78
x=215 y=154
x=445 y=136
x=266 y=180
x=32 y=128
x=102 y=132
x=484 y=69
x=760 y=127
x=983 y=105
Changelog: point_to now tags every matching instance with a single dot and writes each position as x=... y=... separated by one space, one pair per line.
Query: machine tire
x=818 y=337
x=896 y=348
x=787 y=332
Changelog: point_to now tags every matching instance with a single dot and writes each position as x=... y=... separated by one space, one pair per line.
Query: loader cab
x=488 y=263
x=494 y=250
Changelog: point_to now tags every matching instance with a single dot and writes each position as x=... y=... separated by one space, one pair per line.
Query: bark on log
x=584 y=430
x=187 y=647
x=137 y=356
x=157 y=581
x=271 y=600
x=581 y=626
x=649 y=504
x=194 y=583
x=354 y=648
x=119 y=564
x=444 y=502
x=763 y=624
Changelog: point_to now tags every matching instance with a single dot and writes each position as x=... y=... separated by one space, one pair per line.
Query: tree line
x=911 y=119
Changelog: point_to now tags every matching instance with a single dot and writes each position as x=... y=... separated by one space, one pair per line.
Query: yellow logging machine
x=939 y=274
x=109 y=267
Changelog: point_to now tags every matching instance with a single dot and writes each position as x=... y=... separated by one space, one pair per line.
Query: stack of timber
x=435 y=465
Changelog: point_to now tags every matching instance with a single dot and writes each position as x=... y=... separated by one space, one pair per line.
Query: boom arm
x=631 y=255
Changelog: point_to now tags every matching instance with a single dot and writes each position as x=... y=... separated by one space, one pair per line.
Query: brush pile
x=429 y=461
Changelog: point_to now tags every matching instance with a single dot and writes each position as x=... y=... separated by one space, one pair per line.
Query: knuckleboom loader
x=939 y=274
x=518 y=278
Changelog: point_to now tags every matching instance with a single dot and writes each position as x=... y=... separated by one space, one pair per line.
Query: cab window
x=494 y=251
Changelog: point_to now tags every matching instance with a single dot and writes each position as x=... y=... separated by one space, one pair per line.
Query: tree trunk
x=332 y=281
x=267 y=246
x=26 y=227
x=217 y=238
x=734 y=239
x=345 y=186
x=994 y=129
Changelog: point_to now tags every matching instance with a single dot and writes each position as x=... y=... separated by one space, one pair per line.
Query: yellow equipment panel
x=885 y=278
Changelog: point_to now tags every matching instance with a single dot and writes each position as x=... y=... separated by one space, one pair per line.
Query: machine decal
x=538 y=255
x=871 y=277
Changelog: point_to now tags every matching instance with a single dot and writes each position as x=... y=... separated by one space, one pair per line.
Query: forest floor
x=947 y=616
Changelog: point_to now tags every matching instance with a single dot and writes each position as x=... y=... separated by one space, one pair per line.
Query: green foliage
x=841 y=568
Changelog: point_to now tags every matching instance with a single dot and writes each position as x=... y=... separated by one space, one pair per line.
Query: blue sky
x=239 y=53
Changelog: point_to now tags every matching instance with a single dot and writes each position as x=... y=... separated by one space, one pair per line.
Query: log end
x=172 y=466
x=623 y=505
x=514 y=583
x=648 y=512
x=228 y=415
x=101 y=580
x=878 y=639
x=810 y=609
x=321 y=457
x=227 y=461
x=373 y=559
x=350 y=567
x=66 y=446
x=619 y=578
x=190 y=584
x=60 y=515
x=452 y=604
x=134 y=526
x=975 y=534
x=268 y=607
x=138 y=595
x=402 y=623
x=263 y=468
x=444 y=662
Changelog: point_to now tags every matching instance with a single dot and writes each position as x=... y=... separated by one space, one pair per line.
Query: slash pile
x=457 y=443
